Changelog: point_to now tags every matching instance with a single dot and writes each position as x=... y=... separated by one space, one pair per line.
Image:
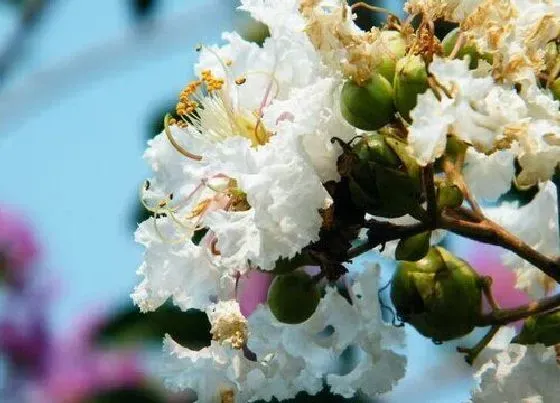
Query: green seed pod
x=399 y=193
x=543 y=329
x=368 y=107
x=468 y=48
x=285 y=266
x=411 y=79
x=440 y=295
x=293 y=298
x=555 y=88
x=374 y=147
x=393 y=47
x=413 y=248
x=448 y=195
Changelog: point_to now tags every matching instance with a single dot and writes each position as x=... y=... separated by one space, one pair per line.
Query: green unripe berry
x=393 y=47
x=293 y=298
x=399 y=193
x=468 y=48
x=411 y=79
x=413 y=248
x=448 y=195
x=440 y=295
x=374 y=147
x=370 y=106
x=543 y=329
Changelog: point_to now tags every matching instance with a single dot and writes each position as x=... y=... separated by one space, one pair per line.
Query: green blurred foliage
x=127 y=325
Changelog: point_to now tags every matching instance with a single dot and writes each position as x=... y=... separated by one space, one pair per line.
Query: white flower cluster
x=242 y=180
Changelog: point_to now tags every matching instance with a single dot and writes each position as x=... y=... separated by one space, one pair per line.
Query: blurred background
x=83 y=86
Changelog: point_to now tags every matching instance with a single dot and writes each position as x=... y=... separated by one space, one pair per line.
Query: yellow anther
x=241 y=80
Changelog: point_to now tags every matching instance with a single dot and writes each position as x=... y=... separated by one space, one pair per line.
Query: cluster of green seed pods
x=392 y=88
x=384 y=180
x=440 y=295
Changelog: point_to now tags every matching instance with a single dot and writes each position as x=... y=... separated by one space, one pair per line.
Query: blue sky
x=72 y=127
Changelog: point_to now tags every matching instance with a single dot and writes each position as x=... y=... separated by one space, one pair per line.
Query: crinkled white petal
x=336 y=326
x=427 y=134
x=489 y=176
x=178 y=270
x=313 y=113
x=519 y=374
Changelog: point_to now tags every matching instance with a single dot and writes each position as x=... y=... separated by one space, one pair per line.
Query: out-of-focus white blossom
x=536 y=223
x=519 y=374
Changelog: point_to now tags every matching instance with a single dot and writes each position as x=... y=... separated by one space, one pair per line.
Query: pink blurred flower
x=77 y=369
x=18 y=248
x=253 y=290
x=485 y=259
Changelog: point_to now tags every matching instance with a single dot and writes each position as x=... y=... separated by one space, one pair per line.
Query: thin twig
x=489 y=232
x=505 y=316
x=455 y=176
x=381 y=232
x=473 y=352
x=430 y=189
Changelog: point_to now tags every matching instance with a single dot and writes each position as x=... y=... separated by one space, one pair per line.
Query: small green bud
x=543 y=329
x=413 y=248
x=373 y=147
x=393 y=48
x=468 y=48
x=411 y=79
x=440 y=295
x=555 y=88
x=368 y=107
x=448 y=195
x=285 y=266
x=293 y=298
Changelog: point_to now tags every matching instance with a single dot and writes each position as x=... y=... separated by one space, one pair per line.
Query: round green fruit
x=411 y=79
x=293 y=298
x=374 y=148
x=369 y=106
x=440 y=295
x=543 y=329
x=392 y=47
x=468 y=48
x=448 y=195
x=413 y=248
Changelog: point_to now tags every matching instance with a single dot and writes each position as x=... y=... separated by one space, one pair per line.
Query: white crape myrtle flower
x=519 y=374
x=336 y=326
x=491 y=117
x=178 y=270
x=478 y=112
x=536 y=223
x=489 y=176
x=313 y=114
x=513 y=31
